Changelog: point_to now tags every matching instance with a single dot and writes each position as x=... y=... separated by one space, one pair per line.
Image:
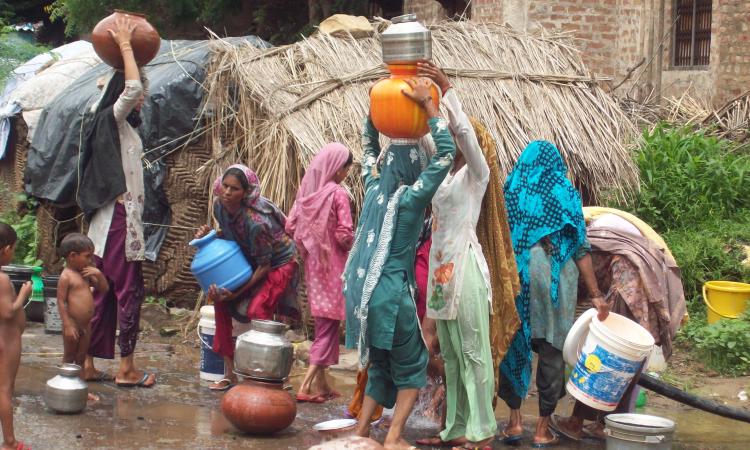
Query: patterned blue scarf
x=541 y=202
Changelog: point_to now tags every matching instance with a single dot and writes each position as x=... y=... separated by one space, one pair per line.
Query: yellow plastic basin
x=725 y=299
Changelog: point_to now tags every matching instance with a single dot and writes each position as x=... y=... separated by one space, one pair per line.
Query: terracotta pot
x=393 y=113
x=145 y=41
x=259 y=407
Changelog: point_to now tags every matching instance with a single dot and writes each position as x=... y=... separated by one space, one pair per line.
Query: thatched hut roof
x=274 y=109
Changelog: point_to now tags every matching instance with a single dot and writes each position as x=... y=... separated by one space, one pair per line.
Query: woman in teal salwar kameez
x=380 y=283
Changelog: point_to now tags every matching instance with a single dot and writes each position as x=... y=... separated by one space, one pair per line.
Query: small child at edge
x=12 y=324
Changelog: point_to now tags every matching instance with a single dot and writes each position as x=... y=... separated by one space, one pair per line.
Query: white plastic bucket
x=212 y=364
x=611 y=355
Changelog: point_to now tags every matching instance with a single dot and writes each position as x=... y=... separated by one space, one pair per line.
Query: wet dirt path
x=180 y=412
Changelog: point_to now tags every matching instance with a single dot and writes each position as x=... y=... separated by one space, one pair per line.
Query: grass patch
x=695 y=191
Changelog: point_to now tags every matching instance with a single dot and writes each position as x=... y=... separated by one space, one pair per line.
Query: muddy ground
x=180 y=412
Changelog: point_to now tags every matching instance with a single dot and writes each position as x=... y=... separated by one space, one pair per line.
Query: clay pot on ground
x=259 y=407
x=145 y=41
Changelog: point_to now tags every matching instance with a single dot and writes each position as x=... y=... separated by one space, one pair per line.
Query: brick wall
x=732 y=40
x=488 y=10
x=615 y=35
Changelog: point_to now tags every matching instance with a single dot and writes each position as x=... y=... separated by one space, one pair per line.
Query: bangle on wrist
x=447 y=88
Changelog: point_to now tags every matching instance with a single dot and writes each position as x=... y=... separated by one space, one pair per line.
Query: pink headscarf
x=312 y=206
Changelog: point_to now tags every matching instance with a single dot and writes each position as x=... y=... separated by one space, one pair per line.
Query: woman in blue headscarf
x=549 y=239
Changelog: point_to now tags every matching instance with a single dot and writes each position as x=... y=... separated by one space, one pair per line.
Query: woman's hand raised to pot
x=123 y=32
x=427 y=69
x=202 y=231
x=421 y=94
x=217 y=295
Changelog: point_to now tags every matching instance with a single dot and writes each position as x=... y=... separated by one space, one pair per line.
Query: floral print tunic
x=455 y=212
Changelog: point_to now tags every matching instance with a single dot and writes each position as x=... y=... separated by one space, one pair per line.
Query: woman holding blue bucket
x=549 y=239
x=257 y=225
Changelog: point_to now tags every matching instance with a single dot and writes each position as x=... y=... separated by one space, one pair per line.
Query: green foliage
x=695 y=192
x=15 y=51
x=710 y=251
x=723 y=346
x=688 y=177
x=26 y=228
x=279 y=22
x=80 y=16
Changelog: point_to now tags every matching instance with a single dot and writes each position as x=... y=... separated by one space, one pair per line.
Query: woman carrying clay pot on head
x=112 y=192
x=320 y=223
x=257 y=225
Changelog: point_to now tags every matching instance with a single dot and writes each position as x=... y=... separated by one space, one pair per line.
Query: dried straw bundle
x=274 y=109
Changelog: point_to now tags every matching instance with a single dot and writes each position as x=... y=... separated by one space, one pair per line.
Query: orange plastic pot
x=145 y=41
x=395 y=114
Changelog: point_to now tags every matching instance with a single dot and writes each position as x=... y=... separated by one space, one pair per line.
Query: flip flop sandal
x=221 y=385
x=555 y=426
x=547 y=444
x=310 y=398
x=139 y=383
x=511 y=439
x=591 y=434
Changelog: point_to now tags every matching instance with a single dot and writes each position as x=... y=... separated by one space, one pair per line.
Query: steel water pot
x=264 y=353
x=406 y=41
x=66 y=392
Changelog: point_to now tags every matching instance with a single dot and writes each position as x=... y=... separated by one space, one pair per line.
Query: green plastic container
x=640 y=402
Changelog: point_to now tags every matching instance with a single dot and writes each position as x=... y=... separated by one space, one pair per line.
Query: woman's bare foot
x=92 y=375
x=92 y=398
x=481 y=445
x=136 y=378
x=436 y=441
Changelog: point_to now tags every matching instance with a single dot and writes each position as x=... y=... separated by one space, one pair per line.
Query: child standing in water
x=12 y=323
x=74 y=297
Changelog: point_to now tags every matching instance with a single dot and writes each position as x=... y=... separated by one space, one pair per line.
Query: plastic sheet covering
x=169 y=124
x=51 y=72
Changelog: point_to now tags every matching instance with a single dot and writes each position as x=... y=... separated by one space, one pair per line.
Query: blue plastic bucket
x=612 y=354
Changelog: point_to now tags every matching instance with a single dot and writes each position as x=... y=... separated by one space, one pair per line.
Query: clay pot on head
x=259 y=407
x=145 y=41
x=393 y=113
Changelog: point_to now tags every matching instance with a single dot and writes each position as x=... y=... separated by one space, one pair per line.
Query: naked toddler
x=74 y=296
x=12 y=323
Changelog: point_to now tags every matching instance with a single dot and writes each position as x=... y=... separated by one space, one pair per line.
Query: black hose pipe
x=669 y=391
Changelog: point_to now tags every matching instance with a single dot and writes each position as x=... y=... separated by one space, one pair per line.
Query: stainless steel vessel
x=264 y=353
x=66 y=392
x=406 y=41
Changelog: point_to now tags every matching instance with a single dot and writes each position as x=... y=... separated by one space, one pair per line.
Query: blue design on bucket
x=211 y=362
x=603 y=375
x=219 y=262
